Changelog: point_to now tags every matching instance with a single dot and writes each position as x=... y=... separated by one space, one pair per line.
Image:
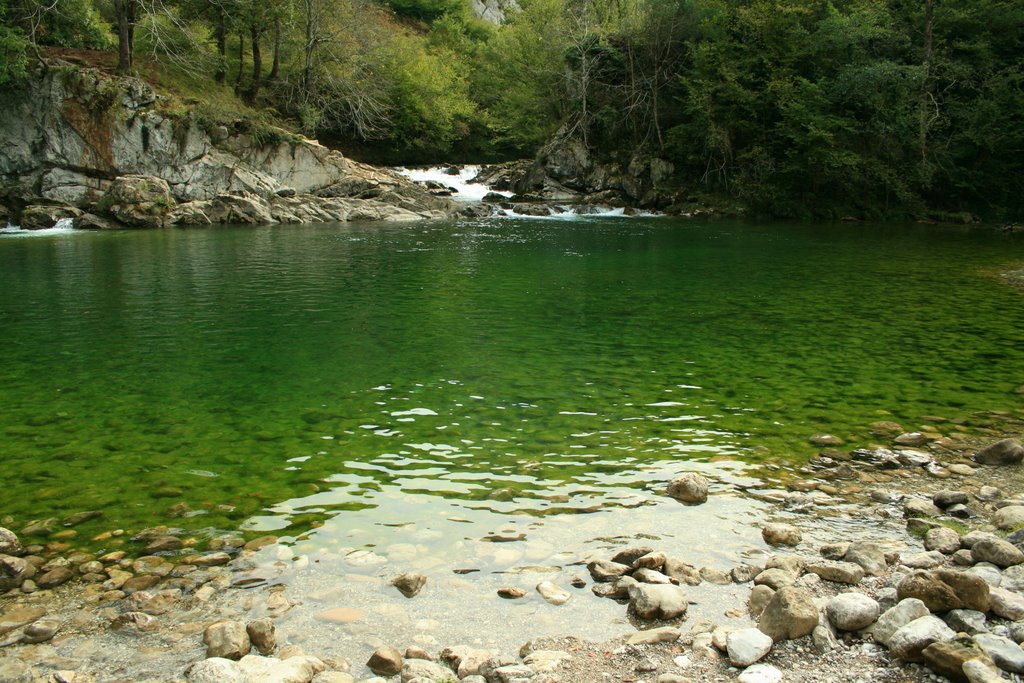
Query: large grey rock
x=138 y=201
x=9 y=543
x=998 y=552
x=226 y=640
x=928 y=560
x=851 y=611
x=658 y=601
x=837 y=572
x=1005 y=452
x=896 y=617
x=689 y=488
x=1006 y=604
x=967 y=621
x=987 y=571
x=747 y=646
x=1007 y=654
x=909 y=641
x=790 y=614
x=1009 y=517
x=494 y=11
x=870 y=556
x=943 y=539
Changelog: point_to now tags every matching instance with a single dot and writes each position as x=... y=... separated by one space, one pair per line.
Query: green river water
x=276 y=378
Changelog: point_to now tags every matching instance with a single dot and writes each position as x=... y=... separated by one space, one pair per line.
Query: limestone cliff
x=494 y=11
x=78 y=143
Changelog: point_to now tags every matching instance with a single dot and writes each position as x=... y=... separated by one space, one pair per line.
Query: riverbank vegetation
x=874 y=108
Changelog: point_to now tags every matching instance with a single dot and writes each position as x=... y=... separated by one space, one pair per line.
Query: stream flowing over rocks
x=814 y=604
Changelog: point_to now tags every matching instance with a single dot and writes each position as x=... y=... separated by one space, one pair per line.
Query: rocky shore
x=945 y=599
x=109 y=152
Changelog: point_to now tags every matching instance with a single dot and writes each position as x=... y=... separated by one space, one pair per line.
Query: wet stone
x=998 y=552
x=778 y=534
x=40 y=631
x=628 y=556
x=409 y=584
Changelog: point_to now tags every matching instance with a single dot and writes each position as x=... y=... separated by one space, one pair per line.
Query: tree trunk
x=241 y=60
x=257 y=59
x=276 y=67
x=307 y=68
x=222 y=48
x=126 y=16
x=926 y=83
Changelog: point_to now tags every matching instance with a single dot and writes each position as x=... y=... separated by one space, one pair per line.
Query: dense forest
x=876 y=108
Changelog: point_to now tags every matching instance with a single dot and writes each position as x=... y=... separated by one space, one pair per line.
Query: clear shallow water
x=452 y=378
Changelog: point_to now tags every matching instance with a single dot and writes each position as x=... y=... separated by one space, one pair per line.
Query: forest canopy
x=879 y=108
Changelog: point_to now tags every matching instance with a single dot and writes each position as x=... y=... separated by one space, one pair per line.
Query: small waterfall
x=464 y=189
x=63 y=226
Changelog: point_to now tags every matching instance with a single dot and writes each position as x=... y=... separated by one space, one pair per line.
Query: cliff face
x=494 y=11
x=72 y=138
x=566 y=169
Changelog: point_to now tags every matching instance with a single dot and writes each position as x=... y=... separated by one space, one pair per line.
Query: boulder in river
x=689 y=488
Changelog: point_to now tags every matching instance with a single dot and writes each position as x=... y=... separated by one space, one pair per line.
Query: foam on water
x=567 y=212
x=464 y=189
x=64 y=226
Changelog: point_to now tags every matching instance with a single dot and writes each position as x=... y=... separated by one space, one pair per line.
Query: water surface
x=274 y=379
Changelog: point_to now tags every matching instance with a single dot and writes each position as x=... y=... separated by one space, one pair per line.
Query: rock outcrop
x=110 y=152
x=567 y=169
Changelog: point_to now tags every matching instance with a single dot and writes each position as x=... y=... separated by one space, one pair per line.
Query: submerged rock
x=781 y=534
x=409 y=584
x=689 y=488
